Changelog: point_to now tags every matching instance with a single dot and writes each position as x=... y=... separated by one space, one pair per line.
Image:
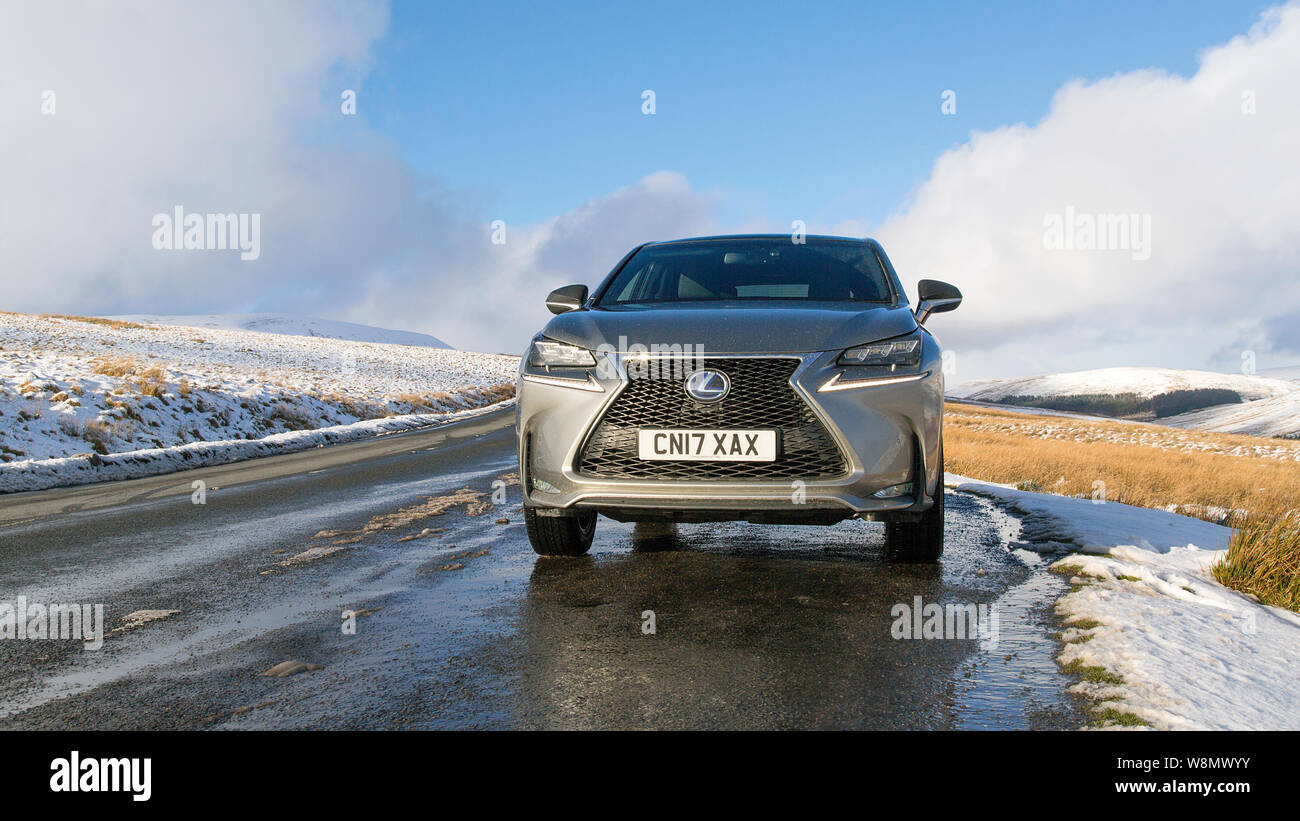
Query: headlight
x=901 y=351
x=547 y=353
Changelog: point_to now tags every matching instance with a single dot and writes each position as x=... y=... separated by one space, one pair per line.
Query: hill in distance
x=291 y=326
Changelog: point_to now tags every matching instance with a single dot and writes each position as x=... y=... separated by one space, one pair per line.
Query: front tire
x=560 y=535
x=919 y=541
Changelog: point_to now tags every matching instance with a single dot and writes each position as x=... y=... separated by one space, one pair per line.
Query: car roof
x=783 y=237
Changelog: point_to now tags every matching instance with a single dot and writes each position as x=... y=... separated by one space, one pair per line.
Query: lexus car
x=777 y=379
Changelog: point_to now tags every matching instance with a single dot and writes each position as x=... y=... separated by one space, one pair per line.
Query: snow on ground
x=1290 y=372
x=84 y=401
x=40 y=474
x=291 y=325
x=1193 y=654
x=1276 y=416
x=1144 y=382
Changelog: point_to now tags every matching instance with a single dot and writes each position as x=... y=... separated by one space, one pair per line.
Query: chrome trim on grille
x=810 y=449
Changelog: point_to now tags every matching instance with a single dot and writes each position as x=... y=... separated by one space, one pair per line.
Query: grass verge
x=1250 y=483
x=1264 y=560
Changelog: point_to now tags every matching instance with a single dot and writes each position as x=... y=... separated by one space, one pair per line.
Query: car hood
x=734 y=327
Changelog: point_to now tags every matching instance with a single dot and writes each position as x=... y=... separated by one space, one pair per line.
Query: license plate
x=663 y=444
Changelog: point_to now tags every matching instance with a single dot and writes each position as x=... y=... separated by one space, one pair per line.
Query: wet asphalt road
x=754 y=626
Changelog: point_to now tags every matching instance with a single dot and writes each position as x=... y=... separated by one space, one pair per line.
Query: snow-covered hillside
x=1276 y=416
x=1291 y=373
x=86 y=400
x=1270 y=407
x=1142 y=382
x=292 y=326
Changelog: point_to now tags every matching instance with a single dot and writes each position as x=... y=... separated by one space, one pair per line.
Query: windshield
x=741 y=269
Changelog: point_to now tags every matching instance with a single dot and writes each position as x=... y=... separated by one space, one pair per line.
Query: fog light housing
x=893 y=491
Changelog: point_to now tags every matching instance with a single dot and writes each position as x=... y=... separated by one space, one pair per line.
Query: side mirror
x=568 y=298
x=936 y=297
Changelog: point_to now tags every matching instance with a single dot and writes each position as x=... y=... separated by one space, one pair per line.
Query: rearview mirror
x=568 y=298
x=935 y=298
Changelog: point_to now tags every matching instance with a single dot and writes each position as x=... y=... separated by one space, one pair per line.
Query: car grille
x=760 y=397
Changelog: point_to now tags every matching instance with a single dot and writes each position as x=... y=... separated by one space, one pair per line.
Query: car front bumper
x=887 y=428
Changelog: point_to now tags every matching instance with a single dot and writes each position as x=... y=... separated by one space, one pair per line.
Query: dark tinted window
x=750 y=269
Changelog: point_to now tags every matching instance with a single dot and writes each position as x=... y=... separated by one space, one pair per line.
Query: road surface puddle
x=1015 y=683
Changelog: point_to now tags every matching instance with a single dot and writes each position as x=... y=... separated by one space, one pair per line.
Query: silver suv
x=765 y=378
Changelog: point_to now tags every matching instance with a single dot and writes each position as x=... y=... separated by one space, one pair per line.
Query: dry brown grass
x=1140 y=465
x=461 y=398
x=1095 y=429
x=1251 y=483
x=116 y=324
x=114 y=366
x=93 y=320
x=392 y=404
x=99 y=434
x=1264 y=560
x=353 y=406
x=128 y=412
x=151 y=382
x=8 y=454
x=417 y=400
x=497 y=393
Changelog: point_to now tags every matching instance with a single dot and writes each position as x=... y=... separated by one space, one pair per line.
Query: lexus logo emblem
x=708 y=386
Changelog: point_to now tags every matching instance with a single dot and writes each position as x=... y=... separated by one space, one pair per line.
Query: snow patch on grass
x=86 y=400
x=41 y=474
x=1178 y=649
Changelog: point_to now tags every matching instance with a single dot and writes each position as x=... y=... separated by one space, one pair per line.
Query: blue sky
x=823 y=112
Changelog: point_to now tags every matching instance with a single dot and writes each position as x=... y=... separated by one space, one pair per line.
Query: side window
x=634 y=287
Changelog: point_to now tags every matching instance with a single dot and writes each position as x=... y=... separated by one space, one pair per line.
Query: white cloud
x=494 y=300
x=1222 y=188
x=238 y=110
x=168 y=104
x=163 y=104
